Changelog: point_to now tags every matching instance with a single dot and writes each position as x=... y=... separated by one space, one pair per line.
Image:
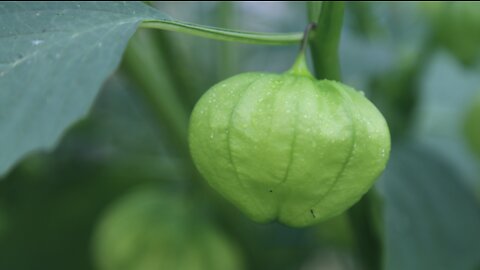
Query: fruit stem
x=305 y=38
x=300 y=66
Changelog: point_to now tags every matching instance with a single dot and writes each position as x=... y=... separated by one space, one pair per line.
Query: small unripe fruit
x=153 y=230
x=288 y=147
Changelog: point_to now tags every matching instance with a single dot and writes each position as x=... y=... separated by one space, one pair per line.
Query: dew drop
x=37 y=42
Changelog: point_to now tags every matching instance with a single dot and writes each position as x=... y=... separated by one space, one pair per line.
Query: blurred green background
x=119 y=192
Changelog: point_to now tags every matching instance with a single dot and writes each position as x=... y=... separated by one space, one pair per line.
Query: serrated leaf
x=432 y=220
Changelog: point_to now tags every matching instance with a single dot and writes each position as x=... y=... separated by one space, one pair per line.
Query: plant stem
x=306 y=35
x=368 y=241
x=300 y=66
x=313 y=9
x=148 y=70
x=324 y=45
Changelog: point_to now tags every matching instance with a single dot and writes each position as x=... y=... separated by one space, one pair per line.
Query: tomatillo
x=288 y=147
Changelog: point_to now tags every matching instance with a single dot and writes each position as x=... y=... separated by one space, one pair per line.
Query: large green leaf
x=432 y=220
x=54 y=56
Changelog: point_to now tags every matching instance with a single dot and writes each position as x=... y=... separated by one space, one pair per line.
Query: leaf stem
x=146 y=67
x=224 y=34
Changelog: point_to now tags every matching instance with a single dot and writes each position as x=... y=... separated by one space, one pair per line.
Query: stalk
x=324 y=48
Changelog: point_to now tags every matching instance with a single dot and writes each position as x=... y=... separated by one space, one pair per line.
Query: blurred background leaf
x=431 y=218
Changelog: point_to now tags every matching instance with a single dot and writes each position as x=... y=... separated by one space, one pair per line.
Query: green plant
x=96 y=100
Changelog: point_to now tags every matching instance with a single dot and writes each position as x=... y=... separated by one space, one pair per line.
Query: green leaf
x=54 y=57
x=432 y=220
